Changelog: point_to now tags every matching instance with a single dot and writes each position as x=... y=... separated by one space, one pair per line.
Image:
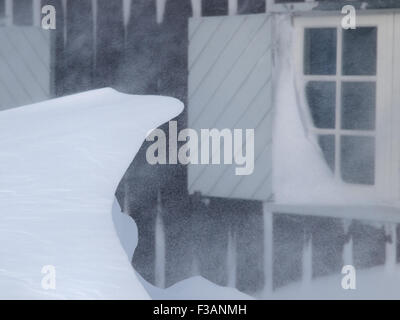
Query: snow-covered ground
x=195 y=288
x=374 y=283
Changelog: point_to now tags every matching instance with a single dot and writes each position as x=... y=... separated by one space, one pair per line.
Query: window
x=347 y=77
x=340 y=75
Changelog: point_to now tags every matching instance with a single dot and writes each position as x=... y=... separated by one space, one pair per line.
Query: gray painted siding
x=230 y=86
x=24 y=66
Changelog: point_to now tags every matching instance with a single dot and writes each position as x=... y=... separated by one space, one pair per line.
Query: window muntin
x=340 y=73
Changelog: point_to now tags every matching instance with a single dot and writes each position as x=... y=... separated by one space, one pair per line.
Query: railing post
x=390 y=246
x=268 y=250
x=307 y=259
x=348 y=244
x=160 y=256
x=231 y=260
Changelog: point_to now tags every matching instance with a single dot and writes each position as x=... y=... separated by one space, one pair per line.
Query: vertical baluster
x=348 y=245
x=390 y=246
x=307 y=260
x=268 y=251
x=160 y=256
x=231 y=260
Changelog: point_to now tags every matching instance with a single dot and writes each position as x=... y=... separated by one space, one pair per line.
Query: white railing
x=386 y=216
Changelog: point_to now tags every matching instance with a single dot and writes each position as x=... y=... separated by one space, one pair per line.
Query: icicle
x=348 y=252
x=196 y=8
x=269 y=5
x=36 y=12
x=126 y=7
x=307 y=262
x=195 y=269
x=390 y=247
x=94 y=14
x=126 y=208
x=159 y=246
x=9 y=12
x=268 y=250
x=65 y=14
x=232 y=7
x=348 y=246
x=231 y=260
x=160 y=8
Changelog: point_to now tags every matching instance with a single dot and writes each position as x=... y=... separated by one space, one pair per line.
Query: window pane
x=23 y=12
x=320 y=51
x=359 y=51
x=327 y=144
x=358 y=105
x=321 y=97
x=358 y=159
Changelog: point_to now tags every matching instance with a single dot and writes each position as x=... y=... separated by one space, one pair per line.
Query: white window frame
x=387 y=167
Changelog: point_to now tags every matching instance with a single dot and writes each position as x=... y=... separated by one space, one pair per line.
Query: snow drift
x=60 y=164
